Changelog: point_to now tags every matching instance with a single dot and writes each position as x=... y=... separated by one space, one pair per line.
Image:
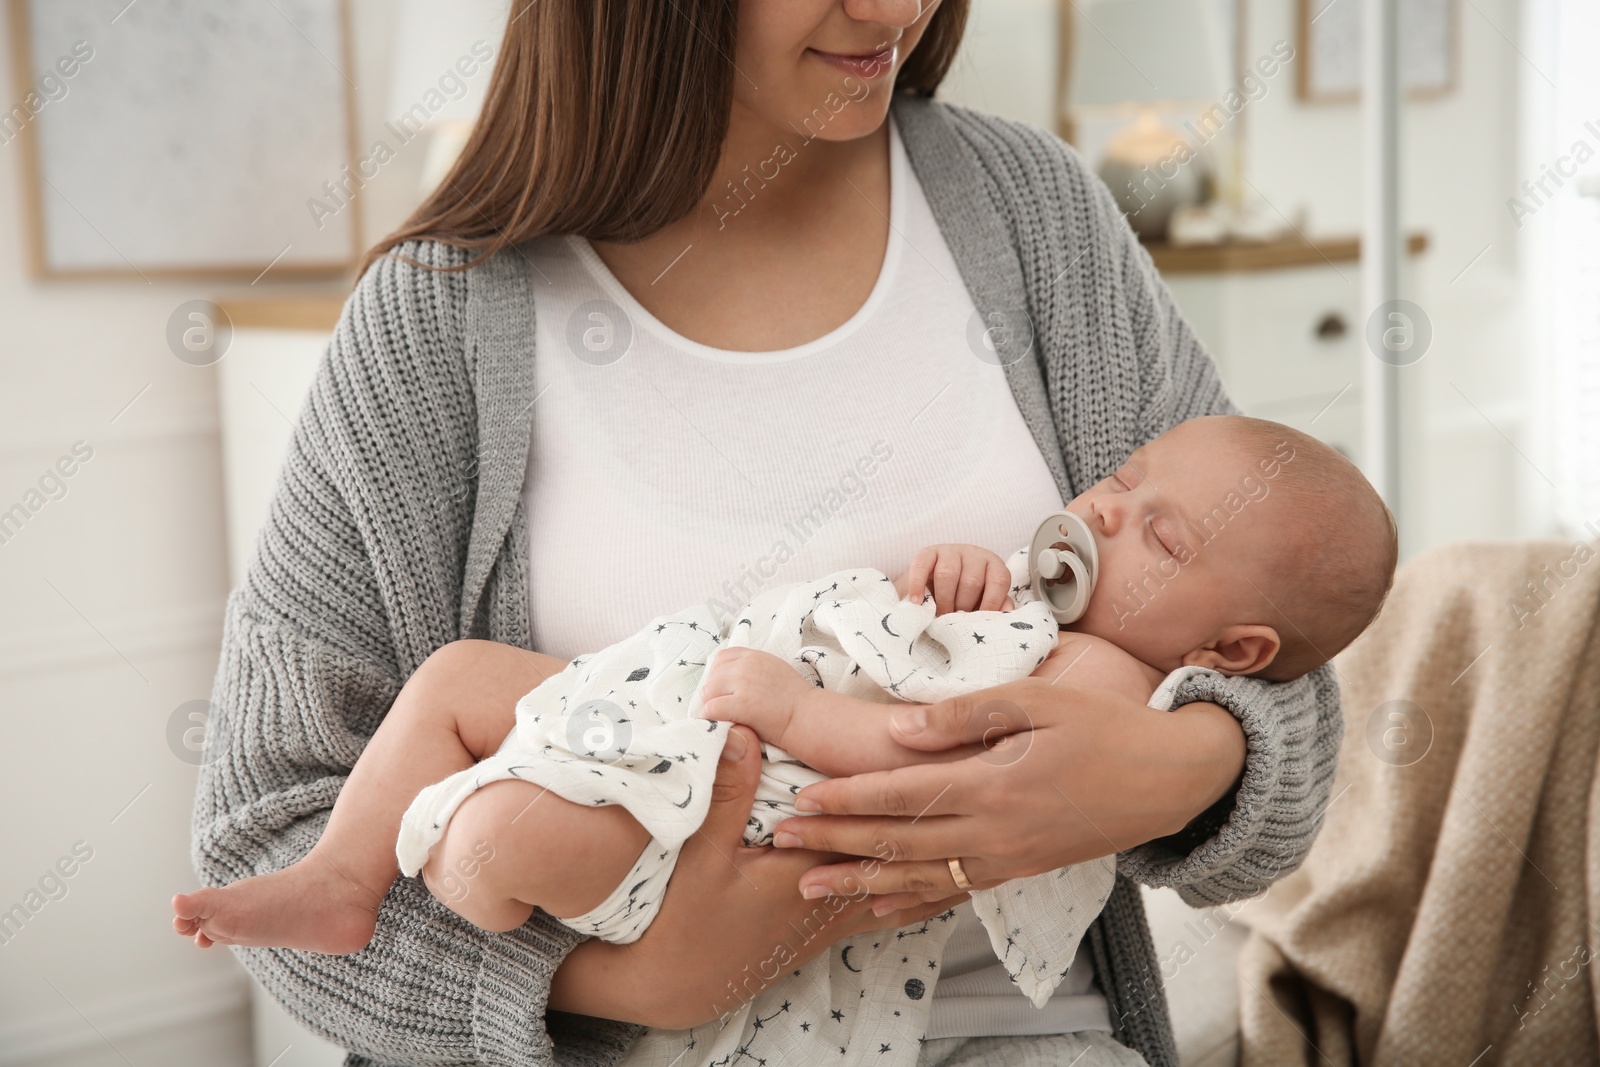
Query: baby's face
x=1183 y=529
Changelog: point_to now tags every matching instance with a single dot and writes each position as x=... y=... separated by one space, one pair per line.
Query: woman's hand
x=1066 y=775
x=732 y=920
x=964 y=578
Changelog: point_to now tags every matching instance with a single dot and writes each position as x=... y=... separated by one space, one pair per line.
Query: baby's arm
x=1095 y=663
x=842 y=735
x=836 y=734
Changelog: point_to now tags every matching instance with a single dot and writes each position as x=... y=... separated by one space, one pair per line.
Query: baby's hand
x=753 y=687
x=965 y=578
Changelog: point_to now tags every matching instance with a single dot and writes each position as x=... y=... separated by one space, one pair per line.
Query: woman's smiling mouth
x=865 y=65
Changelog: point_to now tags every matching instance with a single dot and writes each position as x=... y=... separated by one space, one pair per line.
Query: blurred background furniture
x=1283 y=320
x=1446 y=912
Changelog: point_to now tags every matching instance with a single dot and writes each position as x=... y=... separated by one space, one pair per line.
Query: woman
x=693 y=315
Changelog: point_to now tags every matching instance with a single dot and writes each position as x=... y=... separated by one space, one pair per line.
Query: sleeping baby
x=1226 y=544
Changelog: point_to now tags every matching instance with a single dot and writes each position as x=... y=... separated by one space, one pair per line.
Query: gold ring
x=962 y=881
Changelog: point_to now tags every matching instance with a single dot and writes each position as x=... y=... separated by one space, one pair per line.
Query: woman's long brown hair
x=606 y=118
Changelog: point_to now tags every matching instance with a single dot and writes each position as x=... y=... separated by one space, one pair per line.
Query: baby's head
x=1237 y=544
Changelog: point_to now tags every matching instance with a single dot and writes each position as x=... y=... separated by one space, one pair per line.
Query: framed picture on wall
x=185 y=137
x=1330 y=49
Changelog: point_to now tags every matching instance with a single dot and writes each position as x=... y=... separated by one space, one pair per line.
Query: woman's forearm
x=1206 y=757
x=1175 y=765
x=1293 y=731
x=595 y=979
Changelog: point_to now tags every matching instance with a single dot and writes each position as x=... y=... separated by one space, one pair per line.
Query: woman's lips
x=862 y=66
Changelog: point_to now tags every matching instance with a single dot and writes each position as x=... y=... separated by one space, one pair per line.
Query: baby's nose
x=1107 y=513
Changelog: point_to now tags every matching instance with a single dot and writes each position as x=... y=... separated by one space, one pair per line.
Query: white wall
x=113 y=600
x=1007 y=62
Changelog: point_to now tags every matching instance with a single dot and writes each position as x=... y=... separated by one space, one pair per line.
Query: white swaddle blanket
x=620 y=727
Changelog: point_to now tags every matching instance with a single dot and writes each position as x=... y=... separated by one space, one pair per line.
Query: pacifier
x=1063 y=563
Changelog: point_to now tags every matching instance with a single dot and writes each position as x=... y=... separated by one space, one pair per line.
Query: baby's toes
x=196 y=905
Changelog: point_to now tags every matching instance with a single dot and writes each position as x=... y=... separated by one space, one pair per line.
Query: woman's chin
x=853 y=122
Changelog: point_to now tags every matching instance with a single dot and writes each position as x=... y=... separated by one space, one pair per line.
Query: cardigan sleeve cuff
x=511 y=998
x=1262 y=829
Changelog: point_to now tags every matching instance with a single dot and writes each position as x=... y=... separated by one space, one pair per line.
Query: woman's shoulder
x=400 y=351
x=1035 y=178
x=419 y=284
x=408 y=315
x=990 y=132
x=1013 y=152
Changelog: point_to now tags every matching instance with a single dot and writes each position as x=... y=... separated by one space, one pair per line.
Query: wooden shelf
x=284 y=313
x=1263 y=255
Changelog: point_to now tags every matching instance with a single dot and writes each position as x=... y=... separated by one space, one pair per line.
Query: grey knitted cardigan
x=397 y=527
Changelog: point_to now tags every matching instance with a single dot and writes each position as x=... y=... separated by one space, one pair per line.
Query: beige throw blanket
x=1448 y=912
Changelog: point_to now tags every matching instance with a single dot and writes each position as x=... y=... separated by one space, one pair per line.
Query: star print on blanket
x=619 y=726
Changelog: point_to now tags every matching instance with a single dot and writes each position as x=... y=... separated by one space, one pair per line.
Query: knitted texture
x=397 y=527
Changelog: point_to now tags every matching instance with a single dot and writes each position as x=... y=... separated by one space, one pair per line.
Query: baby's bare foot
x=309 y=905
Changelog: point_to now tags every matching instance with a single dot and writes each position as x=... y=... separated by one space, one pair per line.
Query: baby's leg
x=512 y=845
x=456 y=709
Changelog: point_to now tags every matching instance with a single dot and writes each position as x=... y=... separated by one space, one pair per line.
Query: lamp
x=1131 y=56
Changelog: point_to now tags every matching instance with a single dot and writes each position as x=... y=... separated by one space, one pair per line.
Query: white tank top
x=664 y=472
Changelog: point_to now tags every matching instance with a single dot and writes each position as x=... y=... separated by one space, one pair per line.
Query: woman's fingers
x=982 y=717
x=913 y=910
x=915 y=792
x=896 y=885
x=881 y=840
x=893 y=902
x=734 y=790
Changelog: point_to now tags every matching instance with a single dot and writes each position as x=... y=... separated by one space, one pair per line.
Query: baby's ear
x=1238 y=650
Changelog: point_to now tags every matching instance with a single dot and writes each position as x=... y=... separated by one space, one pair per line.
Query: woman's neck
x=771 y=179
x=801 y=154
x=786 y=244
